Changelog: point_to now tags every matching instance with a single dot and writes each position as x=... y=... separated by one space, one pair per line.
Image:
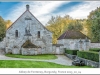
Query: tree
x=8 y=23
x=71 y=26
x=94 y=24
x=2 y=28
x=85 y=28
x=57 y=25
x=75 y=25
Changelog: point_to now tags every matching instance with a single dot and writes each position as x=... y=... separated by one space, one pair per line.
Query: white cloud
x=41 y=9
x=83 y=10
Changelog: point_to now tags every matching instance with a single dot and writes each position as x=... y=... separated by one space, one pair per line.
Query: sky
x=43 y=10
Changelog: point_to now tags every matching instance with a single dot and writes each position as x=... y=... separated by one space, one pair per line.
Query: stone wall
x=2 y=48
x=74 y=44
x=54 y=50
x=2 y=51
x=21 y=25
x=2 y=44
x=89 y=62
x=73 y=57
x=35 y=51
x=62 y=51
x=16 y=51
x=69 y=43
x=94 y=45
x=8 y=50
x=30 y=51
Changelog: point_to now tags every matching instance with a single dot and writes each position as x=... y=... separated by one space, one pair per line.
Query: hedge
x=95 y=49
x=72 y=52
x=94 y=56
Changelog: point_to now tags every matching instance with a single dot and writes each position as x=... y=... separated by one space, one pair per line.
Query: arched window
x=38 y=34
x=16 y=33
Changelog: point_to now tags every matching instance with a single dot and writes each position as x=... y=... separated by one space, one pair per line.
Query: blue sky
x=43 y=10
x=6 y=7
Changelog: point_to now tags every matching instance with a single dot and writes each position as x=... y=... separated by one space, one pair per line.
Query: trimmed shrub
x=72 y=52
x=94 y=56
x=95 y=49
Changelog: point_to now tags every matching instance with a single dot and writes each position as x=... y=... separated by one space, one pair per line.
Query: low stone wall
x=89 y=62
x=2 y=45
x=94 y=45
x=73 y=57
x=8 y=50
x=2 y=51
x=16 y=51
x=29 y=51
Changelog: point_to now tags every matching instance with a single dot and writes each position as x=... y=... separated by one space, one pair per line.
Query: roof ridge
x=39 y=21
x=15 y=20
x=65 y=34
x=72 y=34
x=33 y=16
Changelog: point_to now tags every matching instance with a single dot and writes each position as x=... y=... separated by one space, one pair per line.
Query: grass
x=33 y=64
x=45 y=56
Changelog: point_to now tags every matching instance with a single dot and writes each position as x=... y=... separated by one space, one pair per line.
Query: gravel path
x=63 y=60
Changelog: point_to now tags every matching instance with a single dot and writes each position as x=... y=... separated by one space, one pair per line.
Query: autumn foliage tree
x=75 y=25
x=8 y=23
x=58 y=25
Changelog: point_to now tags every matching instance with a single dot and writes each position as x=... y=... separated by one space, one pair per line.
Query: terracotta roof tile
x=72 y=34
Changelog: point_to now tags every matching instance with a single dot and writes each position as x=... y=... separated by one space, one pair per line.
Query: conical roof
x=72 y=34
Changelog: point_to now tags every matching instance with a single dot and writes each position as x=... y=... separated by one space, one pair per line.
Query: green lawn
x=33 y=57
x=33 y=64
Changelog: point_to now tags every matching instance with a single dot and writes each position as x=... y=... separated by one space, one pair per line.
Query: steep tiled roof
x=72 y=34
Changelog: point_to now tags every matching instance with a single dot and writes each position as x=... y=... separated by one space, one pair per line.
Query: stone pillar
x=86 y=45
x=80 y=45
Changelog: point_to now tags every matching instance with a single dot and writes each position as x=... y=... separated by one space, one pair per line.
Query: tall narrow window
x=16 y=33
x=38 y=34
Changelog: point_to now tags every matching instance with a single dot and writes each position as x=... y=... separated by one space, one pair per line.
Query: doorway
x=57 y=50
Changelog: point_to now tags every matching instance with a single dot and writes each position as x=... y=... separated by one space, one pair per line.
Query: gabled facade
x=27 y=27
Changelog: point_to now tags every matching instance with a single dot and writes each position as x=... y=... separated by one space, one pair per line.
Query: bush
x=94 y=56
x=95 y=49
x=72 y=52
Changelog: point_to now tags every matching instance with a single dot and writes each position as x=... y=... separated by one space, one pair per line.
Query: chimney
x=27 y=7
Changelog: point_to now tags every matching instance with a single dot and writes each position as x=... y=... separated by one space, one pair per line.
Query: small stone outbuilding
x=74 y=40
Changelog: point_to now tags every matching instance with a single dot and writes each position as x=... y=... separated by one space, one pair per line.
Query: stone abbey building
x=27 y=36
